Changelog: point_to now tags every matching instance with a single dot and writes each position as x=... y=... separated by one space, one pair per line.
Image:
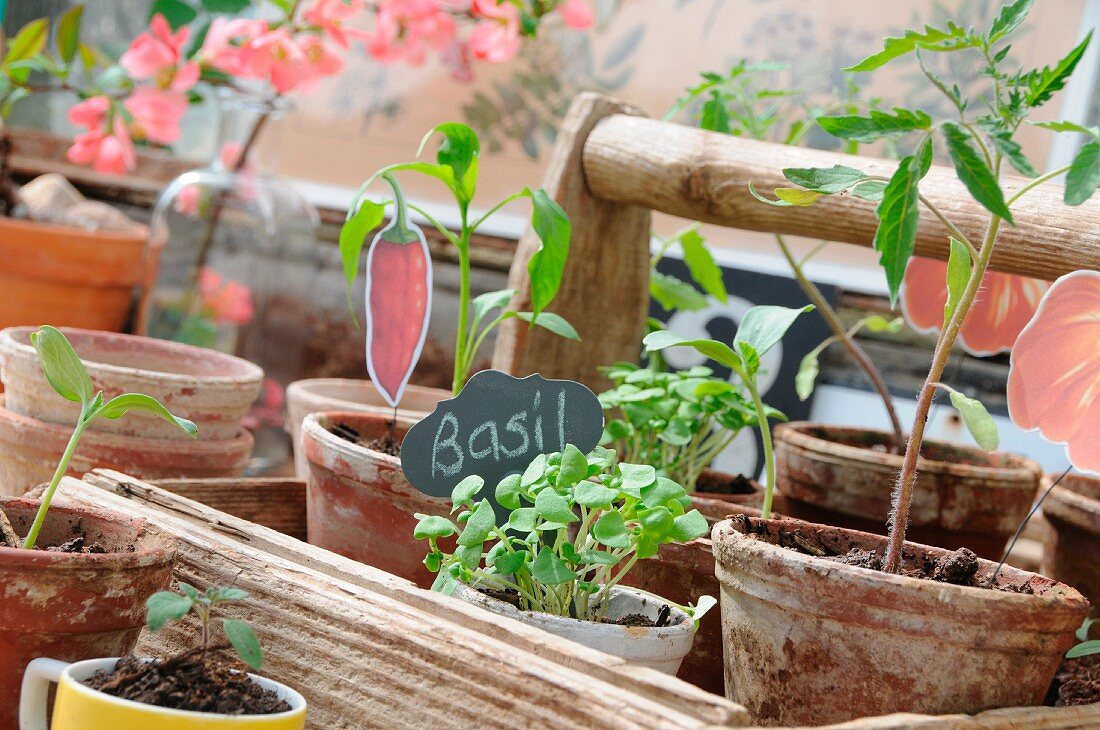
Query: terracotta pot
x=30 y=450
x=358 y=502
x=212 y=389
x=812 y=641
x=966 y=497
x=74 y=606
x=73 y=277
x=662 y=648
x=342 y=394
x=1071 y=551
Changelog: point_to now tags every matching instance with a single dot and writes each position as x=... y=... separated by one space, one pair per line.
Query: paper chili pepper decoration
x=399 y=300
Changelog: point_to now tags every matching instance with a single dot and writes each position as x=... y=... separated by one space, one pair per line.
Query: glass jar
x=240 y=261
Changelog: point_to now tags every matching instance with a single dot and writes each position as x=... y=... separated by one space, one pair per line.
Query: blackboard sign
x=495 y=427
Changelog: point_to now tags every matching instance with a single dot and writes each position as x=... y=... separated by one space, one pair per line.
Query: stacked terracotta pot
x=210 y=388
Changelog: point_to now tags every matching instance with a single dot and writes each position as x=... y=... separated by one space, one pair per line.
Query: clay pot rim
x=1068 y=504
x=76 y=233
x=198 y=448
x=795 y=434
x=16 y=341
x=152 y=545
x=310 y=386
x=315 y=426
x=1060 y=597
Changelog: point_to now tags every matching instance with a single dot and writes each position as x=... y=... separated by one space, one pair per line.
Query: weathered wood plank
x=276 y=503
x=369 y=649
x=704 y=176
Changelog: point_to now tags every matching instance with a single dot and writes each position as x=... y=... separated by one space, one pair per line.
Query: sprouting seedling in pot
x=166 y=606
x=1087 y=646
x=68 y=376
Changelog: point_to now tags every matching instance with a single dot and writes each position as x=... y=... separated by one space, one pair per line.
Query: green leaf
x=573 y=468
x=165 y=606
x=1084 y=174
x=242 y=638
x=704 y=270
x=509 y=563
x=1043 y=83
x=468 y=556
x=796 y=197
x=176 y=12
x=549 y=321
x=807 y=375
x=878 y=324
x=1009 y=19
x=553 y=507
x=661 y=492
x=1064 y=126
x=487 y=302
x=508 y=491
x=188 y=590
x=827 y=180
x=1084 y=649
x=120 y=405
x=1004 y=143
x=714 y=115
x=762 y=199
x=876 y=125
x=611 y=530
x=534 y=471
x=353 y=235
x=465 y=491
x=637 y=476
x=973 y=171
x=546 y=266
x=30 y=40
x=548 y=569
x=717 y=351
x=68 y=33
x=958 y=275
x=764 y=325
x=523 y=519
x=701 y=608
x=458 y=151
x=932 y=39
x=61 y=366
x=689 y=526
x=977 y=419
x=674 y=294
x=591 y=495
x=898 y=218
x=228 y=594
x=433 y=526
x=871 y=190
x=480 y=524
x=226 y=6
x=1082 y=632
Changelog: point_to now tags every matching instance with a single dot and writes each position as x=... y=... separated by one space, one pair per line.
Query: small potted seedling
x=1079 y=679
x=97 y=567
x=576 y=525
x=359 y=502
x=202 y=687
x=908 y=628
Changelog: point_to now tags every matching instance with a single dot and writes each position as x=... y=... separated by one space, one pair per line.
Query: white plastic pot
x=661 y=648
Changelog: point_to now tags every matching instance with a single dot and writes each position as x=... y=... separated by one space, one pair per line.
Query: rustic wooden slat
x=369 y=649
x=604 y=292
x=1012 y=718
x=704 y=176
x=276 y=503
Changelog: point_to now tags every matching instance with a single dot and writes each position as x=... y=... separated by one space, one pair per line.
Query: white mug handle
x=34 y=694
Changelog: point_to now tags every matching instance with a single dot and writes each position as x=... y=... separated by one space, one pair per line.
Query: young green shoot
x=165 y=606
x=1087 y=646
x=67 y=375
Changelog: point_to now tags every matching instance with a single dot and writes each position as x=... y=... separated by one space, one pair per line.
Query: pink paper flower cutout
x=158 y=54
x=1054 y=380
x=1004 y=305
x=229 y=301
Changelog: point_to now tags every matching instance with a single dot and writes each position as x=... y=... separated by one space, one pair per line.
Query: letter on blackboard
x=451 y=443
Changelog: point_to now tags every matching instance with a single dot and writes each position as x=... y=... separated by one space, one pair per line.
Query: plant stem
x=766 y=441
x=62 y=467
x=854 y=350
x=954 y=230
x=462 y=367
x=903 y=492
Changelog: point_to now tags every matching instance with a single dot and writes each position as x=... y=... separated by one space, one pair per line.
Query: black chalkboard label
x=495 y=427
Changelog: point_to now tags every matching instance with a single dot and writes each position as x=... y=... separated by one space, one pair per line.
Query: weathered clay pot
x=30 y=450
x=1071 y=551
x=359 y=503
x=342 y=394
x=660 y=648
x=812 y=641
x=74 y=606
x=72 y=277
x=964 y=497
x=212 y=389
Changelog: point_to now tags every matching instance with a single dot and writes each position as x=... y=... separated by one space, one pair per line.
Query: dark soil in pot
x=388 y=443
x=198 y=681
x=1077 y=682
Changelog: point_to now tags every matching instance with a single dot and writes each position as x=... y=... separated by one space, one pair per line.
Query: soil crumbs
x=386 y=444
x=709 y=484
x=197 y=681
x=1078 y=681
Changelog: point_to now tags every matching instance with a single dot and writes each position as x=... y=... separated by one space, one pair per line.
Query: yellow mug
x=79 y=707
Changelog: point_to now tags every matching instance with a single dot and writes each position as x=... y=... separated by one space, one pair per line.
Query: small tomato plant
x=67 y=375
x=165 y=606
x=677 y=422
x=576 y=526
x=456 y=166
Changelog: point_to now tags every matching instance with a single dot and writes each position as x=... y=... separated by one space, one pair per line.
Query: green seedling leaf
x=717 y=351
x=465 y=491
x=549 y=321
x=549 y=569
x=958 y=275
x=468 y=556
x=458 y=152
x=226 y=6
x=704 y=270
x=509 y=563
x=508 y=491
x=714 y=116
x=826 y=180
x=973 y=171
x=574 y=466
x=242 y=638
x=932 y=39
x=523 y=519
x=489 y=301
x=808 y=370
x=552 y=507
x=68 y=33
x=611 y=530
x=61 y=366
x=878 y=324
x=353 y=235
x=700 y=609
x=1043 y=83
x=591 y=495
x=637 y=476
x=661 y=492
x=876 y=125
x=1082 y=632
x=1068 y=127
x=228 y=594
x=898 y=218
x=796 y=197
x=764 y=325
x=688 y=527
x=977 y=419
x=547 y=264
x=478 y=527
x=1084 y=649
x=165 y=606
x=433 y=526
x=1084 y=174
x=871 y=190
x=534 y=471
x=673 y=294
x=120 y=405
x=1010 y=148
x=1009 y=19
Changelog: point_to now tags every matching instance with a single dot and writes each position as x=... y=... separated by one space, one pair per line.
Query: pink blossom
x=107 y=153
x=229 y=301
x=188 y=200
x=157 y=55
x=329 y=16
x=156 y=114
x=228 y=46
x=576 y=14
x=320 y=60
x=406 y=29
x=90 y=113
x=276 y=55
x=496 y=38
